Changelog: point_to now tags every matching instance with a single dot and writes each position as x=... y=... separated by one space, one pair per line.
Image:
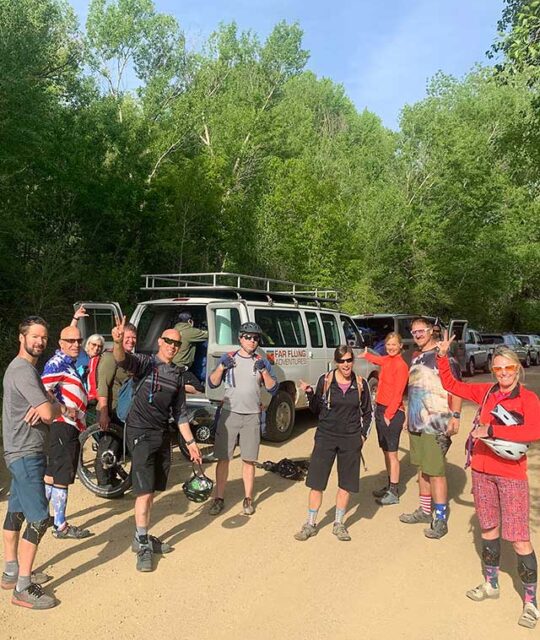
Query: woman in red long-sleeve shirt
x=500 y=485
x=389 y=412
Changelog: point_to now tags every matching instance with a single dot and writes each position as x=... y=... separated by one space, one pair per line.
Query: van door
x=102 y=317
x=458 y=328
x=319 y=357
x=224 y=320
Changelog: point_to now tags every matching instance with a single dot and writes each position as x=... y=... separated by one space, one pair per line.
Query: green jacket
x=110 y=378
x=189 y=336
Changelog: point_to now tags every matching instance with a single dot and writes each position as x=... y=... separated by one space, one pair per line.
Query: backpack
x=127 y=392
x=328 y=381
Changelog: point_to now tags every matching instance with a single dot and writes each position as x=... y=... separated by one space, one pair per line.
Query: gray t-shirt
x=22 y=389
x=243 y=386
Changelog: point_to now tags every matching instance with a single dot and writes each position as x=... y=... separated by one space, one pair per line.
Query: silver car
x=532 y=342
x=492 y=340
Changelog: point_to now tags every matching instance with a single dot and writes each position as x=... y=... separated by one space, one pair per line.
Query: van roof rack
x=253 y=287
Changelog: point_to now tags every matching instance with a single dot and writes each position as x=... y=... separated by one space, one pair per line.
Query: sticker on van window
x=287 y=357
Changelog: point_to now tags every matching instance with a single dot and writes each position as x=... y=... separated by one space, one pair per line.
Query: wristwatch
x=456 y=415
x=188 y=442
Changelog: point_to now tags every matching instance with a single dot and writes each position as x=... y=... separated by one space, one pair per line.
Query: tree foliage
x=121 y=152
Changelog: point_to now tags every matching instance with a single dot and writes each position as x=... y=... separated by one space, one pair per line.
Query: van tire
x=373 y=384
x=279 y=418
x=471 y=368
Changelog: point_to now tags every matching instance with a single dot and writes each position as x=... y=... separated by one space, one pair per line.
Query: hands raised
x=444 y=344
x=80 y=313
x=118 y=331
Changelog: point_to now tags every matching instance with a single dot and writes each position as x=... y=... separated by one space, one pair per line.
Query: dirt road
x=233 y=576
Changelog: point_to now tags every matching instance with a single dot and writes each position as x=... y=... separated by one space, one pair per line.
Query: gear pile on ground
x=288 y=469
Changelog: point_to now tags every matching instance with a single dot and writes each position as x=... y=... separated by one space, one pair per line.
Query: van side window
x=352 y=335
x=226 y=324
x=331 y=331
x=314 y=328
x=281 y=328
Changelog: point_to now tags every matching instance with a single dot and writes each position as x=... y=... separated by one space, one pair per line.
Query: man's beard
x=33 y=352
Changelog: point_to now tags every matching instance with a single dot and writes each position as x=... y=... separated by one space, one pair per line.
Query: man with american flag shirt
x=60 y=377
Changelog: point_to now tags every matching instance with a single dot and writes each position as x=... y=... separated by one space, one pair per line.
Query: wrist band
x=75 y=318
x=188 y=442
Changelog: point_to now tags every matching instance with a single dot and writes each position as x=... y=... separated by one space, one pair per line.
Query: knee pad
x=528 y=568
x=14 y=521
x=491 y=552
x=35 y=531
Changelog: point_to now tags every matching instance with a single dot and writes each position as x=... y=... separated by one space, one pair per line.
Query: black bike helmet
x=199 y=486
x=249 y=327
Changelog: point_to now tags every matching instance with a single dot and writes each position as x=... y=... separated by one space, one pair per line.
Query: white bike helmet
x=506 y=449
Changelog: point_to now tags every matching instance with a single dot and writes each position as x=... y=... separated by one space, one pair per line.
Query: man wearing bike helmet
x=244 y=372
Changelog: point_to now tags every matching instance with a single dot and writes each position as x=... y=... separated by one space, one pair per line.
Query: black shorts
x=324 y=453
x=388 y=434
x=64 y=449
x=150 y=451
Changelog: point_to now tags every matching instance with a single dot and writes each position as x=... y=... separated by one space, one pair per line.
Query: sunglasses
x=248 y=336
x=343 y=360
x=172 y=341
x=511 y=368
x=72 y=340
x=420 y=332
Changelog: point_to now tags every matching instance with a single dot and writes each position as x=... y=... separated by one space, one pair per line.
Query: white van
x=301 y=328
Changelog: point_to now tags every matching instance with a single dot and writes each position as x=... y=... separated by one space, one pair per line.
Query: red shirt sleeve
x=373 y=358
x=398 y=388
x=466 y=390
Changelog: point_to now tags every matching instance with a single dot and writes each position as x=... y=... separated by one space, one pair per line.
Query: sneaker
x=388 y=498
x=482 y=592
x=33 y=598
x=437 y=530
x=340 y=531
x=71 y=531
x=247 y=507
x=10 y=582
x=144 y=559
x=379 y=493
x=217 y=506
x=416 y=516
x=156 y=545
x=529 y=617
x=307 y=531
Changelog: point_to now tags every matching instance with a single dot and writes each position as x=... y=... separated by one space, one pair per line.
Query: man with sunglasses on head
x=158 y=393
x=244 y=373
x=433 y=417
x=61 y=378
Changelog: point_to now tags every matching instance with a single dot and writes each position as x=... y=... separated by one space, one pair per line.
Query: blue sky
x=382 y=51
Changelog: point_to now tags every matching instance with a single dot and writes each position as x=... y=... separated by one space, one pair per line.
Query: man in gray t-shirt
x=244 y=373
x=26 y=410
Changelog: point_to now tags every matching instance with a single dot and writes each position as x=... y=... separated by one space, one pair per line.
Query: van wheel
x=373 y=384
x=471 y=368
x=527 y=362
x=279 y=418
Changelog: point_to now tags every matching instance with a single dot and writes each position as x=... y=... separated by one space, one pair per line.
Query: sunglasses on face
x=72 y=340
x=172 y=341
x=511 y=368
x=344 y=360
x=255 y=338
x=96 y=345
x=420 y=332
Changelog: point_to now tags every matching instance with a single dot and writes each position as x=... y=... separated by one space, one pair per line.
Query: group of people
x=507 y=420
x=54 y=405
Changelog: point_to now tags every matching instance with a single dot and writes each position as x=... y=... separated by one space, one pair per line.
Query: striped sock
x=425 y=503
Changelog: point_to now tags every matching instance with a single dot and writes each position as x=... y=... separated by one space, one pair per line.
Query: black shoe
x=379 y=493
x=144 y=559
